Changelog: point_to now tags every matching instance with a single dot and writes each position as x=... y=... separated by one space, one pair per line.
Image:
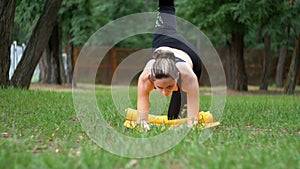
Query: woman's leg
x=166 y=25
x=178 y=106
x=165 y=35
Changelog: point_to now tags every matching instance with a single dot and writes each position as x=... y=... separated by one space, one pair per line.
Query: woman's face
x=165 y=86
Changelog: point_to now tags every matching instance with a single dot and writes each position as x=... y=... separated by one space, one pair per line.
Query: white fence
x=16 y=53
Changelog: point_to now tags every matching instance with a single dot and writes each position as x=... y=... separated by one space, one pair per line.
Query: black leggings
x=166 y=34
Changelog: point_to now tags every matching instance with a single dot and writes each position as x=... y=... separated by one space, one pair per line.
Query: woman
x=175 y=69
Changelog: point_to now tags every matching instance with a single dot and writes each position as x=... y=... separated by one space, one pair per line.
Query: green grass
x=40 y=129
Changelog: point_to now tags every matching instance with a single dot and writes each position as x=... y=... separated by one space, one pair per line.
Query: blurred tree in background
x=7 y=13
x=39 y=37
x=256 y=24
x=271 y=25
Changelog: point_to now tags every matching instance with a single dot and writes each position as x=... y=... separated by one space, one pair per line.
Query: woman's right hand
x=145 y=125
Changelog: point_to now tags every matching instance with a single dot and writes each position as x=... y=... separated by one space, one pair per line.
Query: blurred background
x=257 y=40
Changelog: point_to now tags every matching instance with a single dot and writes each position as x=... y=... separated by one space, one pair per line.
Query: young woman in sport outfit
x=174 y=70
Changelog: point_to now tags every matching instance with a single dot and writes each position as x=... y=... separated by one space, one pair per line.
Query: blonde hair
x=164 y=65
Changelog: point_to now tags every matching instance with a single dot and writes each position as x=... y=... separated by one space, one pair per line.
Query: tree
x=74 y=25
x=264 y=17
x=267 y=62
x=285 y=44
x=7 y=13
x=238 y=69
x=290 y=84
x=271 y=18
x=78 y=22
x=291 y=81
x=36 y=45
x=228 y=19
x=51 y=63
x=281 y=60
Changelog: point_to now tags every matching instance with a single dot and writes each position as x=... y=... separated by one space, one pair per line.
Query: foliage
x=295 y=19
x=79 y=18
x=27 y=14
x=115 y=9
x=76 y=19
x=273 y=17
x=106 y=11
x=40 y=130
x=216 y=18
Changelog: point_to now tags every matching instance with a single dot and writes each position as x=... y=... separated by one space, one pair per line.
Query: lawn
x=40 y=129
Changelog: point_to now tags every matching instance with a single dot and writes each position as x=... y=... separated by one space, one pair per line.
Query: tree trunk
x=7 y=14
x=267 y=63
x=51 y=63
x=283 y=55
x=280 y=67
x=229 y=74
x=55 y=43
x=289 y=87
x=238 y=63
x=36 y=45
x=45 y=67
x=70 y=59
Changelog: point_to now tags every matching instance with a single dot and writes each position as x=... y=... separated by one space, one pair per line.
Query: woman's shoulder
x=185 y=70
x=144 y=82
x=145 y=76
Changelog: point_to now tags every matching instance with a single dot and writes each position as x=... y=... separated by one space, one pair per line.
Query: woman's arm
x=144 y=88
x=191 y=87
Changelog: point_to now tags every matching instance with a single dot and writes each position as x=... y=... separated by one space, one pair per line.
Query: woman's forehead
x=165 y=81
